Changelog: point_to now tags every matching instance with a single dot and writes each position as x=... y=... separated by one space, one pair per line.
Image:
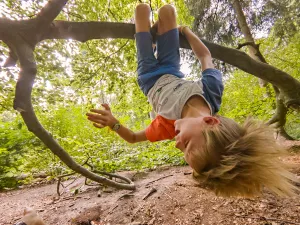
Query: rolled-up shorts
x=150 y=68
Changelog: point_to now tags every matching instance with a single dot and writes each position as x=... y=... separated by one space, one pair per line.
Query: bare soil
x=177 y=199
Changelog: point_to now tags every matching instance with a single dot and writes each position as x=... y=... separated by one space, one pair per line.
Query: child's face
x=189 y=137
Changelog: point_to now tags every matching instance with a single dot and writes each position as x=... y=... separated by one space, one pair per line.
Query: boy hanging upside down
x=229 y=158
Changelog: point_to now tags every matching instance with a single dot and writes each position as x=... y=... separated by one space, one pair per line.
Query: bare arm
x=104 y=118
x=130 y=136
x=199 y=49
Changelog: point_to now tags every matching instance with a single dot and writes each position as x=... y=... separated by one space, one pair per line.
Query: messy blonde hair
x=247 y=160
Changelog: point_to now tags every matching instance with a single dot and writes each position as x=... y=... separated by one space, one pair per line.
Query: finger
x=99 y=111
x=104 y=123
x=97 y=117
x=95 y=120
x=98 y=125
x=106 y=106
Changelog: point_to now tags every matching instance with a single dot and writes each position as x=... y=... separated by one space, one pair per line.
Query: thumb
x=106 y=106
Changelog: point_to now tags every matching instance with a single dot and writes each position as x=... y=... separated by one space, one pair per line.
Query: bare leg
x=166 y=19
x=142 y=18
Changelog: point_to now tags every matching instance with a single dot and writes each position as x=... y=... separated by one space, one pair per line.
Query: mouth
x=178 y=146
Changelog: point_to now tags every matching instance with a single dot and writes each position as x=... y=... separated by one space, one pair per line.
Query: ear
x=211 y=120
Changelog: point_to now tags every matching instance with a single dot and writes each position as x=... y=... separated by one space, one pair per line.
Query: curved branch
x=113 y=175
x=84 y=31
x=22 y=103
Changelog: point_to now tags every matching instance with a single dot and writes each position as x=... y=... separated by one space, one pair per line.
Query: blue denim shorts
x=150 y=68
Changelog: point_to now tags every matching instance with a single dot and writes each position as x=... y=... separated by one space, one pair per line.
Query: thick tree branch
x=48 y=13
x=23 y=104
x=84 y=31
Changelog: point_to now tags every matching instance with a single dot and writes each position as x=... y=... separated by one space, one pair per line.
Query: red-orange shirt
x=160 y=129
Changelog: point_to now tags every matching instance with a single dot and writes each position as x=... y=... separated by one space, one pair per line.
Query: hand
x=181 y=28
x=102 y=118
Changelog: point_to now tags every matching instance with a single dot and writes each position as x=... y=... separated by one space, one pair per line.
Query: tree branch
x=84 y=31
x=251 y=43
x=48 y=13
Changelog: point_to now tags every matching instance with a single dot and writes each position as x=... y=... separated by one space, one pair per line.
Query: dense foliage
x=74 y=77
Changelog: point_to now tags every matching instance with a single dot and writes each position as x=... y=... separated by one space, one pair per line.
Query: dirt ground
x=177 y=200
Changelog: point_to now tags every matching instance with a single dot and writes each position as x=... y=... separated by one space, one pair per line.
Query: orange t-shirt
x=160 y=129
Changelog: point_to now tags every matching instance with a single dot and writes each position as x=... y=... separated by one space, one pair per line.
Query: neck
x=196 y=106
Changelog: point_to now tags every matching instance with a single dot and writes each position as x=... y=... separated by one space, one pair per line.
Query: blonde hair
x=248 y=158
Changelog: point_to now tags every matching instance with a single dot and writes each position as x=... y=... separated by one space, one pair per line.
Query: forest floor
x=177 y=200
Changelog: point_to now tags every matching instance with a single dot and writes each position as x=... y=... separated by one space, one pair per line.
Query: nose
x=177 y=124
x=178 y=142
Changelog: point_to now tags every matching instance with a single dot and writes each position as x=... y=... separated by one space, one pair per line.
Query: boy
x=186 y=110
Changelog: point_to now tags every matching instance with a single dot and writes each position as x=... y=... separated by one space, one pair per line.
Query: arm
x=103 y=118
x=199 y=49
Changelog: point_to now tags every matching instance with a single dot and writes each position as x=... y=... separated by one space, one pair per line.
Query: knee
x=142 y=8
x=166 y=10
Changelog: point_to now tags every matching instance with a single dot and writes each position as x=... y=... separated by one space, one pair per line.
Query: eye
x=177 y=132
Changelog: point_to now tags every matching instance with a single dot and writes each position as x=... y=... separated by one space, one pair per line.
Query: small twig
x=112 y=175
x=110 y=211
x=66 y=175
x=158 y=179
x=71 y=182
x=105 y=59
x=113 y=15
x=59 y=180
x=127 y=195
x=91 y=184
x=86 y=161
x=151 y=192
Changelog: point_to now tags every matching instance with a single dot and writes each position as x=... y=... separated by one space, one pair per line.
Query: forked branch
x=22 y=102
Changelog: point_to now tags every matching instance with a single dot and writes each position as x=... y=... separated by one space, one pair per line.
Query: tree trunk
x=247 y=33
x=256 y=54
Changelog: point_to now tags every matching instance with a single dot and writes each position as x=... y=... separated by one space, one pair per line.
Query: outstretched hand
x=102 y=118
